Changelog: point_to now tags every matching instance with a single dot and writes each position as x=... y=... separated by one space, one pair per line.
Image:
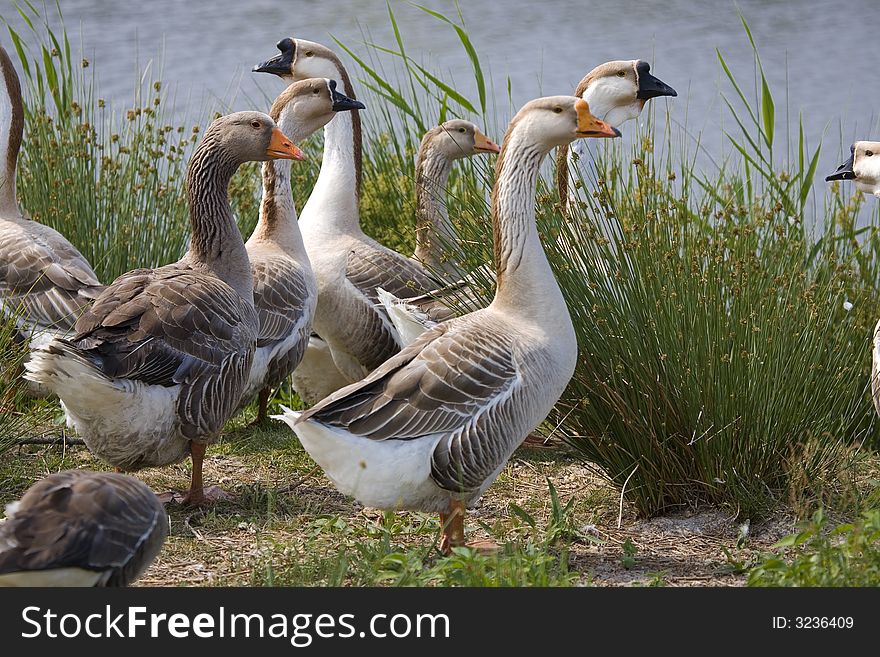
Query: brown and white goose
x=863 y=168
x=81 y=528
x=45 y=283
x=348 y=264
x=432 y=427
x=285 y=291
x=616 y=93
x=159 y=362
x=435 y=232
x=441 y=146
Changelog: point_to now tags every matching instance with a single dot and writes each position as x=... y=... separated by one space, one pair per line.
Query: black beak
x=279 y=64
x=341 y=102
x=649 y=86
x=844 y=171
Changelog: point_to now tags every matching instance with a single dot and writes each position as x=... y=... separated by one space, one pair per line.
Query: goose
x=432 y=427
x=441 y=146
x=863 y=168
x=159 y=362
x=81 y=528
x=348 y=264
x=285 y=291
x=616 y=92
x=45 y=283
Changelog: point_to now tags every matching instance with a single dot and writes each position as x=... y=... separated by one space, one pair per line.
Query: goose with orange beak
x=432 y=427
x=159 y=362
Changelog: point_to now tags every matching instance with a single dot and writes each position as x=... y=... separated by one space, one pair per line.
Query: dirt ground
x=278 y=493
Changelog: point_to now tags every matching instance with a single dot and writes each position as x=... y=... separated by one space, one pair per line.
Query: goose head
x=308 y=105
x=251 y=137
x=862 y=167
x=617 y=91
x=456 y=139
x=559 y=120
x=300 y=59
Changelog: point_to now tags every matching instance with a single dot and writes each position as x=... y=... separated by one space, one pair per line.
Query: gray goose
x=285 y=291
x=863 y=168
x=616 y=93
x=348 y=265
x=159 y=362
x=45 y=283
x=81 y=528
x=432 y=428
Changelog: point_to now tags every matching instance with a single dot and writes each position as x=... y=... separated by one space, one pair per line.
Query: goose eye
x=316 y=91
x=310 y=53
x=557 y=110
x=869 y=153
x=256 y=124
x=462 y=130
x=621 y=74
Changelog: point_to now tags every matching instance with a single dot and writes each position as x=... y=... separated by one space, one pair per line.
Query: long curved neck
x=11 y=129
x=333 y=204
x=278 y=221
x=525 y=280
x=216 y=242
x=434 y=231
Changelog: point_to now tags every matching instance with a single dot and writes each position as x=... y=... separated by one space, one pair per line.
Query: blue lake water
x=823 y=54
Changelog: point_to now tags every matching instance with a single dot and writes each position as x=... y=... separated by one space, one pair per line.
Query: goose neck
x=216 y=241
x=333 y=204
x=434 y=230
x=278 y=219
x=11 y=129
x=525 y=280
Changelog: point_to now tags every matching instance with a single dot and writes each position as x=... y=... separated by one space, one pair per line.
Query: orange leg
x=198 y=495
x=452 y=527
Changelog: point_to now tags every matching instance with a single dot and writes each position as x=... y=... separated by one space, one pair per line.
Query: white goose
x=863 y=168
x=431 y=428
x=285 y=291
x=616 y=93
x=45 y=283
x=348 y=265
x=81 y=528
x=159 y=362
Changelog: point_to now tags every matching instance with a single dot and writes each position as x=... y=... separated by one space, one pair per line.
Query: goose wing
x=456 y=380
x=284 y=303
x=368 y=267
x=95 y=521
x=281 y=296
x=46 y=275
x=172 y=326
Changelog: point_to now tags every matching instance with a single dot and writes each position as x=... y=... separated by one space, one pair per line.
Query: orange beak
x=589 y=125
x=281 y=148
x=483 y=144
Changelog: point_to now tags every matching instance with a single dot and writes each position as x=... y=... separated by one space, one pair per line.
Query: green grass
x=821 y=555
